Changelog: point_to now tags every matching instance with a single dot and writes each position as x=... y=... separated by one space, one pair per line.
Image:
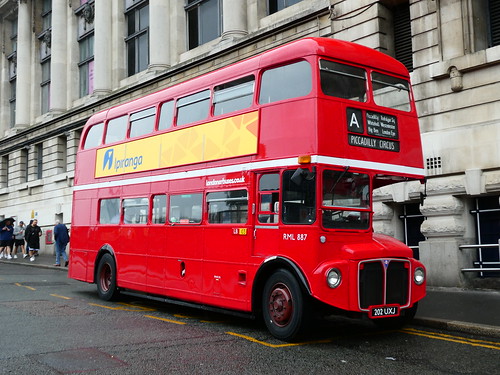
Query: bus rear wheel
x=284 y=306
x=106 y=278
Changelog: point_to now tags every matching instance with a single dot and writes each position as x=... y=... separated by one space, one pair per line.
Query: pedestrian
x=61 y=235
x=32 y=235
x=6 y=237
x=19 y=239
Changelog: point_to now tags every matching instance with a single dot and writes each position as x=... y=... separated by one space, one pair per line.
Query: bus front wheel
x=106 y=278
x=284 y=306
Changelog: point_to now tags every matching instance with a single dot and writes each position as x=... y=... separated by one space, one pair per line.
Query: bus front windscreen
x=346 y=200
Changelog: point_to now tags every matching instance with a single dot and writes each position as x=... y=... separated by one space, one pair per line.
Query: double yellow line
x=451 y=338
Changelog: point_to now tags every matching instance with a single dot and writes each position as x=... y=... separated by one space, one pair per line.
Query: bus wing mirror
x=302 y=174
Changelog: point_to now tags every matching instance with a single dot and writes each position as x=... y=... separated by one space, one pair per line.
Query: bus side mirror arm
x=423 y=194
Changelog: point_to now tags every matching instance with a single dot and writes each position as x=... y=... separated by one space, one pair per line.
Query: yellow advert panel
x=227 y=138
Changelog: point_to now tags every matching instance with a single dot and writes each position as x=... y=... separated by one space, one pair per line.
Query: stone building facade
x=63 y=60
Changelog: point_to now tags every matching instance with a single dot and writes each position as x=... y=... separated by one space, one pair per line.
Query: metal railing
x=480 y=265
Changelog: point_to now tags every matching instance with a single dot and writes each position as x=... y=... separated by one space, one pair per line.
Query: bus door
x=266 y=233
x=285 y=215
x=227 y=248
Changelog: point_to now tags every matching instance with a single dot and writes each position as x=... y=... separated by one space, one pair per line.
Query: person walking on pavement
x=19 y=239
x=6 y=237
x=32 y=235
x=61 y=236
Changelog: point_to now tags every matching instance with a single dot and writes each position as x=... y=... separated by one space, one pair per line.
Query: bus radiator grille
x=381 y=284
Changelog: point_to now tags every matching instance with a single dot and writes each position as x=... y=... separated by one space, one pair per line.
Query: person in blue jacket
x=61 y=236
x=6 y=237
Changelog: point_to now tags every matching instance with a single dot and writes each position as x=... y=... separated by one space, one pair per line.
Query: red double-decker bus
x=249 y=189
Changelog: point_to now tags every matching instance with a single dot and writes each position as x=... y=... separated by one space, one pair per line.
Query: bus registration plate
x=383 y=311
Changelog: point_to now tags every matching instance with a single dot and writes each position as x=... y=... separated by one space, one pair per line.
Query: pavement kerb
x=34 y=264
x=457 y=326
x=443 y=324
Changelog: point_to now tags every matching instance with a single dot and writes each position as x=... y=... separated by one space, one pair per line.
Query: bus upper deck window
x=391 y=92
x=286 y=82
x=94 y=136
x=193 y=108
x=343 y=81
x=233 y=96
x=166 y=115
x=117 y=129
x=142 y=122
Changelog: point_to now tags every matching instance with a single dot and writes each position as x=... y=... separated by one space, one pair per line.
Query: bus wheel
x=283 y=306
x=106 y=278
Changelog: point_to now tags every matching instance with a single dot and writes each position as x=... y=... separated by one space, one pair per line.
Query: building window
x=62 y=154
x=12 y=60
x=494 y=23
x=45 y=86
x=4 y=172
x=403 y=50
x=204 y=21
x=487 y=219
x=137 y=40
x=85 y=15
x=412 y=220
x=484 y=24
x=277 y=5
x=12 y=103
x=39 y=160
x=24 y=165
x=45 y=39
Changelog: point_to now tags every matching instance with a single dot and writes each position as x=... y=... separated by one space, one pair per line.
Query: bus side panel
x=183 y=264
x=83 y=211
x=225 y=265
x=288 y=128
x=131 y=246
x=156 y=259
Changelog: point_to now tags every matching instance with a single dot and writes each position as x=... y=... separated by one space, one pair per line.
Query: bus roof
x=333 y=48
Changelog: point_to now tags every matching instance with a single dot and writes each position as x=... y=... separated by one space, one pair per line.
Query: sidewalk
x=454 y=309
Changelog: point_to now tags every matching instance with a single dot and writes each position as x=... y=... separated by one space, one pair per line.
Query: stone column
x=234 y=21
x=58 y=59
x=159 y=35
x=23 y=81
x=444 y=229
x=102 y=47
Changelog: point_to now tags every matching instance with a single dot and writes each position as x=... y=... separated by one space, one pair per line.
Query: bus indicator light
x=304 y=159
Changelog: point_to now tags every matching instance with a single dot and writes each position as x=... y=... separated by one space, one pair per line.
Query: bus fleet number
x=294 y=237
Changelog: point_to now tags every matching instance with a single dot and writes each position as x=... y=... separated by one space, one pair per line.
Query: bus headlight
x=419 y=276
x=333 y=278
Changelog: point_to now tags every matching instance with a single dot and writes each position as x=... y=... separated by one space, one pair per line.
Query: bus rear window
x=135 y=210
x=343 y=81
x=286 y=82
x=159 y=209
x=185 y=209
x=233 y=96
x=142 y=122
x=193 y=108
x=225 y=207
x=166 y=115
x=109 y=211
x=117 y=129
x=94 y=136
x=391 y=92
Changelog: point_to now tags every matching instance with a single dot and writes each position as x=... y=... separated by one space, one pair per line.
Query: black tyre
x=405 y=318
x=284 y=306
x=106 y=278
